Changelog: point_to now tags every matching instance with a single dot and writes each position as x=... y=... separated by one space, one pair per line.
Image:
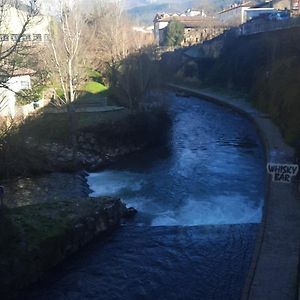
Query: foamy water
x=213 y=173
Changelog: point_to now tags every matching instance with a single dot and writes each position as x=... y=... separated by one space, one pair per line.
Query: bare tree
x=70 y=43
x=136 y=75
x=117 y=36
x=70 y=56
x=114 y=34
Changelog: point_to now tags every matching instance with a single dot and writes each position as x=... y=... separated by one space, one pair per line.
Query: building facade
x=12 y=24
x=197 y=27
x=238 y=14
x=234 y=15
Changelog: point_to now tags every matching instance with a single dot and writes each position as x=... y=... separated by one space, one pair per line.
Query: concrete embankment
x=35 y=238
x=273 y=273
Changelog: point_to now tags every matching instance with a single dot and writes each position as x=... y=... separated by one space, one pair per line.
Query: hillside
x=145 y=14
x=144 y=11
x=267 y=66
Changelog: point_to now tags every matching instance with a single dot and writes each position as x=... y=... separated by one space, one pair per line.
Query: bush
x=27 y=96
x=143 y=128
x=174 y=34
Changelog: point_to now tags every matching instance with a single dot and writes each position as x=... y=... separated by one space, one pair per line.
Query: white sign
x=282 y=172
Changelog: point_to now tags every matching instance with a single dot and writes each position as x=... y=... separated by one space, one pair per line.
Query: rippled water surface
x=212 y=173
x=199 y=200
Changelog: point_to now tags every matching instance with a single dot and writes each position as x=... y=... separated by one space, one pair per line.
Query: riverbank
x=42 y=144
x=45 y=188
x=274 y=270
x=35 y=238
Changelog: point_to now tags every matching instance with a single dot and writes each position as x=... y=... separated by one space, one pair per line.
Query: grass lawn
x=92 y=93
x=93 y=87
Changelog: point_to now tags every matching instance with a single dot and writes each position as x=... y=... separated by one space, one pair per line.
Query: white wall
x=250 y=13
x=8 y=97
x=18 y=83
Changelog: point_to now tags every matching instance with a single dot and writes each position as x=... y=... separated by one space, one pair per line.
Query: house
x=295 y=5
x=233 y=15
x=197 y=27
x=18 y=81
x=240 y=13
x=255 y=12
x=12 y=23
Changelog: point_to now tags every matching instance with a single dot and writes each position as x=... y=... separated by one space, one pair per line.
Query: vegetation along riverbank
x=86 y=100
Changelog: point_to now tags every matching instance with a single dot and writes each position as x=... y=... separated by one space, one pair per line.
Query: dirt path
x=274 y=270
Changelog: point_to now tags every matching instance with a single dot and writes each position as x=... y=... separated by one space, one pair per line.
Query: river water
x=200 y=201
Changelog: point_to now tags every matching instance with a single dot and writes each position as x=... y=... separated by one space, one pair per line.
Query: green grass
x=93 y=87
x=93 y=74
x=92 y=93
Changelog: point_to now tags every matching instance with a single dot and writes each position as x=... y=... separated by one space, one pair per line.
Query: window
x=26 y=37
x=14 y=37
x=4 y=37
x=25 y=85
x=37 y=37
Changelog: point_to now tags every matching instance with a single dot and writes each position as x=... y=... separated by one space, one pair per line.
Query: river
x=200 y=201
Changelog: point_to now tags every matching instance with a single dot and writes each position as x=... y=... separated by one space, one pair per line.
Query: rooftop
x=236 y=6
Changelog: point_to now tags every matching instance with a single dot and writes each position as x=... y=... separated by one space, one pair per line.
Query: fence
x=262 y=25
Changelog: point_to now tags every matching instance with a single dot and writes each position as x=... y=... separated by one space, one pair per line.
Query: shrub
x=174 y=34
x=27 y=96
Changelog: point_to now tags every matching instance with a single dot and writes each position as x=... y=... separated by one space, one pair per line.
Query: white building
x=238 y=14
x=194 y=13
x=251 y=13
x=13 y=21
x=233 y=16
x=8 y=95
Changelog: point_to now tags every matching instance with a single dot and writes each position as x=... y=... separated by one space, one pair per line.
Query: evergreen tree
x=174 y=34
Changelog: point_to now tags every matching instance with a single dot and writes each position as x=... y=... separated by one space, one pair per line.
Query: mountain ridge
x=144 y=11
